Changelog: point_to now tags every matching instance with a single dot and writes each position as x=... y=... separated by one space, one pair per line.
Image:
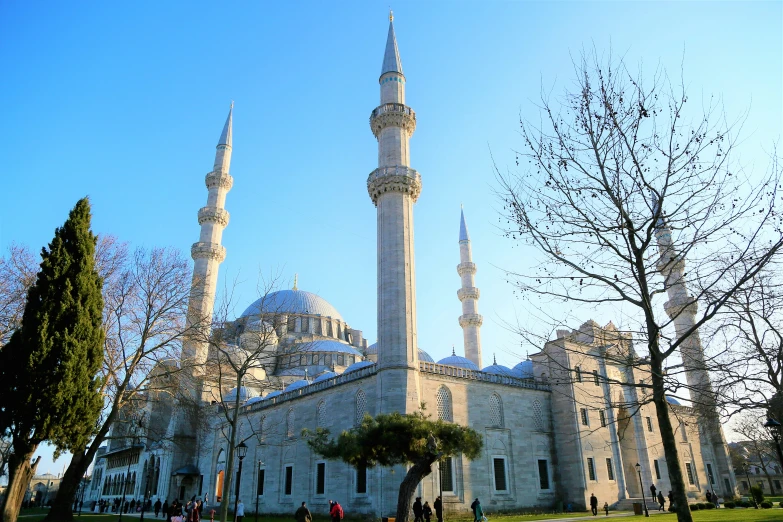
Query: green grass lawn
x=730 y=515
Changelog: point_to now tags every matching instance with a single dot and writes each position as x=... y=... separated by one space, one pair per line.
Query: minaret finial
x=296 y=280
x=452 y=350
x=494 y=359
x=391 y=15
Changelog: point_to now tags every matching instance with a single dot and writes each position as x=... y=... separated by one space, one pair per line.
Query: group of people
x=177 y=512
x=423 y=512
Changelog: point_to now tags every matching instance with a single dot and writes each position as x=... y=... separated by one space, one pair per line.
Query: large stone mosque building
x=556 y=427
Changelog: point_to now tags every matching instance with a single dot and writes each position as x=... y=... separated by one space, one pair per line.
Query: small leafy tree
x=394 y=439
x=49 y=367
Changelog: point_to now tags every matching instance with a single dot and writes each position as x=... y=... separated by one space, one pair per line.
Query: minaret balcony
x=202 y=250
x=215 y=215
x=470 y=292
x=470 y=320
x=218 y=178
x=466 y=268
x=392 y=115
x=393 y=179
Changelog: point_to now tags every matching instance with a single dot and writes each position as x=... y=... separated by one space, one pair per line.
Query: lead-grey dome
x=293 y=302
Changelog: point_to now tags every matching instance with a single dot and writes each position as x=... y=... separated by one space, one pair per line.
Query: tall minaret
x=208 y=253
x=394 y=188
x=682 y=308
x=470 y=320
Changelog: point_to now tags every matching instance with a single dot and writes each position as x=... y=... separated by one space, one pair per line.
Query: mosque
x=556 y=427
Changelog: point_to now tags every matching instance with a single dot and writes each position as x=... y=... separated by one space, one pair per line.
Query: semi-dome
x=292 y=302
x=459 y=362
x=423 y=356
x=328 y=345
x=499 y=369
x=358 y=366
x=244 y=394
x=672 y=400
x=297 y=384
x=524 y=370
x=325 y=376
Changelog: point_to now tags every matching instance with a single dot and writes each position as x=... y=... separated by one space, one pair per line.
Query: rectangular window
x=744 y=485
x=602 y=416
x=585 y=419
x=361 y=479
x=305 y=324
x=200 y=485
x=291 y=324
x=320 y=478
x=595 y=378
x=649 y=424
x=689 y=470
x=446 y=474
x=709 y=474
x=777 y=484
x=683 y=434
x=260 y=484
x=578 y=371
x=657 y=470
x=609 y=469
x=289 y=479
x=499 y=465
x=543 y=474
x=591 y=469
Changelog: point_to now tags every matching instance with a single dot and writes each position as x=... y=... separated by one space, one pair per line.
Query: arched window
x=495 y=411
x=289 y=424
x=538 y=415
x=320 y=415
x=303 y=360
x=444 y=404
x=361 y=406
x=156 y=477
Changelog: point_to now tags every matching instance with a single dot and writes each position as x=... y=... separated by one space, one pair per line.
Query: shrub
x=766 y=504
x=694 y=507
x=780 y=504
x=731 y=504
x=709 y=505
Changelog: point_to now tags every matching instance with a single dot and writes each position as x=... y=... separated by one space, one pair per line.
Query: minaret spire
x=394 y=187
x=470 y=320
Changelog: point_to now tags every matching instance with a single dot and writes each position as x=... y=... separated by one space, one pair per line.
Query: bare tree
x=760 y=449
x=145 y=305
x=17 y=274
x=617 y=189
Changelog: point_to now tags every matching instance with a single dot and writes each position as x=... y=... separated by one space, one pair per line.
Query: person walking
x=427 y=511
x=438 y=505
x=479 y=511
x=418 y=511
x=593 y=504
x=661 y=501
x=606 y=508
x=240 y=510
x=165 y=509
x=653 y=491
x=156 y=507
x=671 y=500
x=303 y=514
x=473 y=507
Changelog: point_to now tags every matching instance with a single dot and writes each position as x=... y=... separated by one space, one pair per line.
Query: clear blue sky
x=124 y=102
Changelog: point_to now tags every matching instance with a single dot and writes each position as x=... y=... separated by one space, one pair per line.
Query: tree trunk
x=232 y=442
x=669 y=442
x=20 y=472
x=408 y=487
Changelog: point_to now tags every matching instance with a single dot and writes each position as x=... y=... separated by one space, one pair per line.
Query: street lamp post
x=641 y=485
x=775 y=428
x=241 y=453
x=127 y=476
x=747 y=476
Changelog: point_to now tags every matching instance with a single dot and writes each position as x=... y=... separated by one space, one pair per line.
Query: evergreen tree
x=48 y=369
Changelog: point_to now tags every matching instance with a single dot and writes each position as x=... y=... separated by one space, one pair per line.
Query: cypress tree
x=49 y=368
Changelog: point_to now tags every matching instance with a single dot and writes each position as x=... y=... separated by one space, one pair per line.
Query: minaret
x=208 y=253
x=682 y=308
x=470 y=320
x=394 y=188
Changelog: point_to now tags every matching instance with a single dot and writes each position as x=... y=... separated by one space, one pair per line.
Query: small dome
x=329 y=346
x=325 y=376
x=425 y=357
x=499 y=369
x=253 y=400
x=244 y=394
x=459 y=362
x=372 y=349
x=273 y=394
x=297 y=384
x=672 y=400
x=358 y=366
x=293 y=302
x=524 y=370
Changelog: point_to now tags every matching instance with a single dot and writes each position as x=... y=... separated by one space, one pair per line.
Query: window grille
x=320 y=415
x=538 y=415
x=602 y=416
x=595 y=378
x=689 y=470
x=289 y=479
x=289 y=424
x=578 y=371
x=495 y=410
x=649 y=424
x=361 y=406
x=657 y=470
x=444 y=404
x=320 y=478
x=361 y=479
x=446 y=474
x=585 y=418
x=609 y=469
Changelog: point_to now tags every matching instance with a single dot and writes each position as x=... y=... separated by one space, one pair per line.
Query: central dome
x=292 y=302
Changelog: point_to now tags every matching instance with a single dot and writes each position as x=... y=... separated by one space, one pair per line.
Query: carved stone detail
x=392 y=115
x=393 y=179
x=203 y=250
x=219 y=179
x=470 y=292
x=470 y=320
x=213 y=215
x=466 y=268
